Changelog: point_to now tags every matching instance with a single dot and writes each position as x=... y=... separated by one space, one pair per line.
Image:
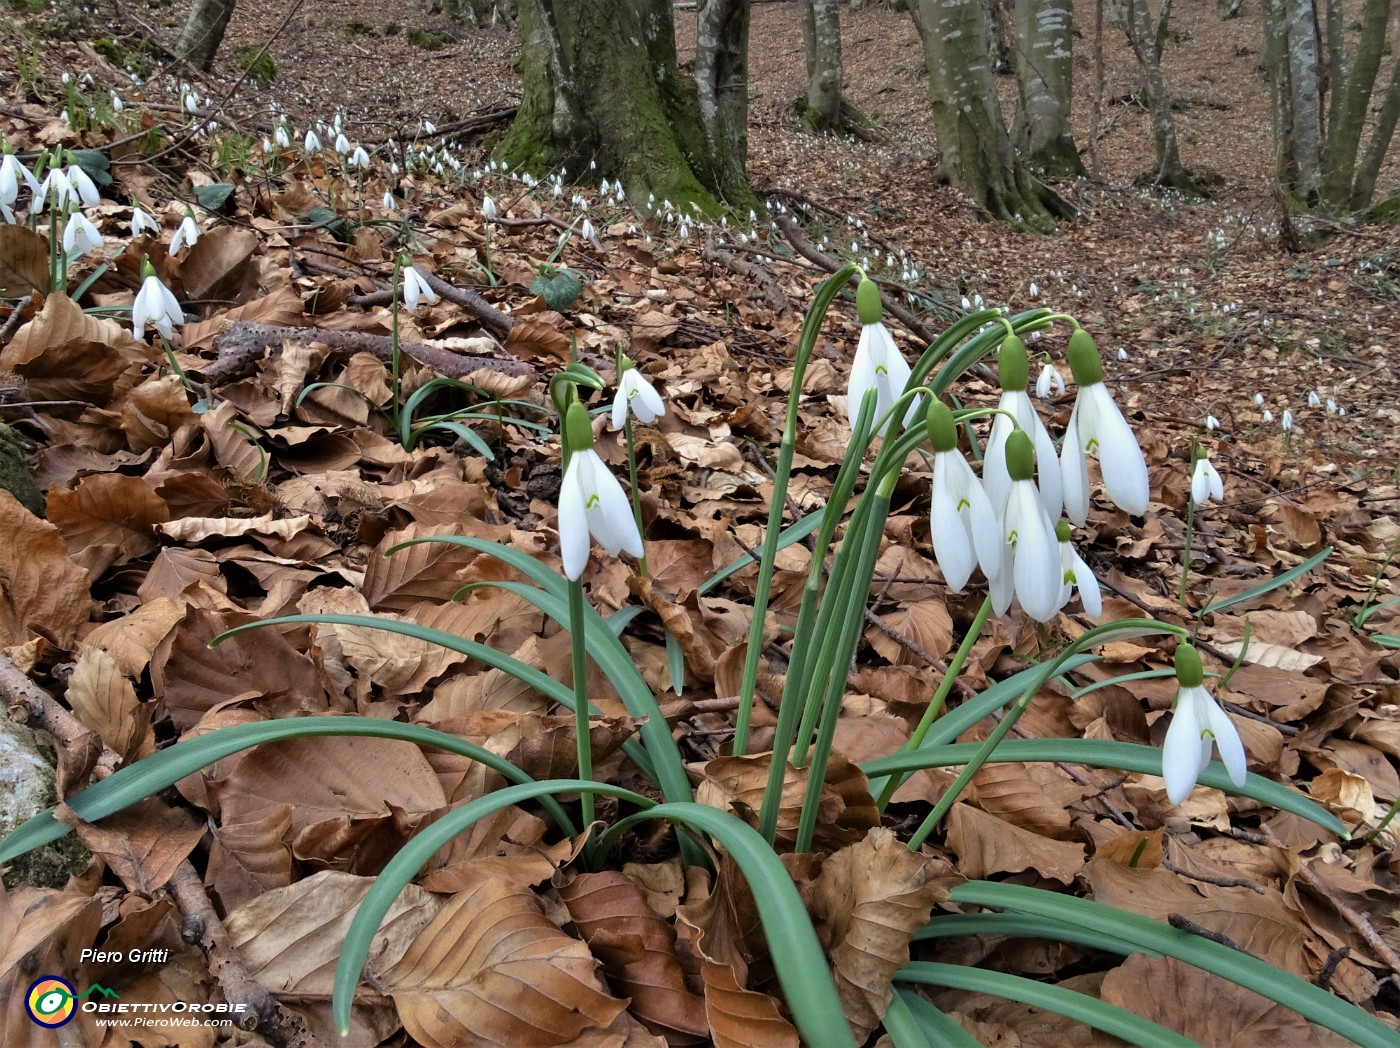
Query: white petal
x=1181 y=750
x=573 y=521
x=986 y=536
x=647 y=404
x=1227 y=741
x=1074 y=471
x=609 y=514
x=1120 y=458
x=1001 y=587
x=1037 y=564
x=1200 y=484
x=952 y=547
x=995 y=477
x=1089 y=593
x=1047 y=466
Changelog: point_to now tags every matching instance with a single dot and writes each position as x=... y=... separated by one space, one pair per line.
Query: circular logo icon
x=51 y=1001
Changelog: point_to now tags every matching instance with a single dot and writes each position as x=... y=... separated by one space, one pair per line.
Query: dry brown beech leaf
x=43 y=587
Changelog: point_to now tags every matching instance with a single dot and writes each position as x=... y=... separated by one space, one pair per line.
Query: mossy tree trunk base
x=603 y=97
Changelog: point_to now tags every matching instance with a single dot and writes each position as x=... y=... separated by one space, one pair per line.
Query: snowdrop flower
x=635 y=396
x=342 y=144
x=618 y=192
x=1205 y=483
x=1212 y=423
x=1258 y=400
x=1314 y=401
x=1050 y=382
x=488 y=208
x=1268 y=415
x=429 y=128
x=12 y=172
x=586 y=230
x=1075 y=574
x=143 y=223
x=1122 y=353
x=186 y=235
x=55 y=190
x=1034 y=290
x=312 y=141
x=414 y=285
x=1197 y=724
x=155 y=305
x=117 y=104
x=390 y=204
x=1030 y=557
x=1287 y=421
x=80 y=236
x=1331 y=406
x=1013 y=368
x=879 y=364
x=592 y=504
x=962 y=521
x=82 y=186
x=359 y=158
x=1096 y=426
x=281 y=137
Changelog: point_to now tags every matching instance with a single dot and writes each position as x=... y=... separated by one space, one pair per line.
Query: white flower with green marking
x=1198 y=725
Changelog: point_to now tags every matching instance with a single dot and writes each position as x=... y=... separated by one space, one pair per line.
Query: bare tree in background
x=1322 y=83
x=1147 y=42
x=1045 y=78
x=601 y=84
x=821 y=41
x=204 y=32
x=975 y=151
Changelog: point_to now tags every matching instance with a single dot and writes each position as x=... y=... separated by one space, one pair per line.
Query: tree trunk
x=1147 y=46
x=1353 y=88
x=821 y=41
x=1045 y=78
x=1384 y=130
x=601 y=85
x=204 y=32
x=975 y=152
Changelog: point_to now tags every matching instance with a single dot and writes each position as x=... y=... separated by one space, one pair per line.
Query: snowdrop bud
x=1287 y=420
x=1268 y=415
x=488 y=208
x=1122 y=353
x=1314 y=400
x=586 y=229
x=1034 y=290
x=1331 y=406
x=1258 y=400
x=390 y=203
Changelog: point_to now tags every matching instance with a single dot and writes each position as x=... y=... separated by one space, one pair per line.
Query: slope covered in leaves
x=275 y=485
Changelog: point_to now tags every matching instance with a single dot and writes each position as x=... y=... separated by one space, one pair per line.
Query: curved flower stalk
x=1030 y=555
x=1097 y=427
x=1013 y=367
x=878 y=364
x=636 y=397
x=155 y=305
x=1198 y=723
x=1077 y=575
x=963 y=524
x=592 y=504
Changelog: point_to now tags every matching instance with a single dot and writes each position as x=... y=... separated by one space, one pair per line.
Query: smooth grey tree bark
x=821 y=42
x=975 y=151
x=1146 y=43
x=204 y=32
x=1322 y=77
x=601 y=85
x=1045 y=79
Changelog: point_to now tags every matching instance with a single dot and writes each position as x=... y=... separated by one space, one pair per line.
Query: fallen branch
x=28 y=703
x=245 y=343
x=758 y=274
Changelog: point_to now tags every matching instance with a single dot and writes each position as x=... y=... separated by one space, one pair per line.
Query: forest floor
x=165 y=526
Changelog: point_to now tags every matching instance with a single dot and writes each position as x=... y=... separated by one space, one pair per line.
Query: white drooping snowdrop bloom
x=1019 y=413
x=962 y=522
x=155 y=305
x=312 y=141
x=1030 y=570
x=488 y=209
x=1205 y=483
x=879 y=364
x=415 y=286
x=1197 y=724
x=1077 y=575
x=185 y=236
x=1097 y=427
x=635 y=396
x=1049 y=382
x=143 y=223
x=80 y=236
x=592 y=504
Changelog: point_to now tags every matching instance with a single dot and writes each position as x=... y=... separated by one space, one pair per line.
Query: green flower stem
x=940 y=696
x=635 y=491
x=1098 y=635
x=395 y=413
x=1186 y=551
x=791 y=706
x=811 y=327
x=853 y=618
x=580 y=674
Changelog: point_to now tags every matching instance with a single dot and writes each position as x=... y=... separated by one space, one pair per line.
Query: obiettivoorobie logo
x=52 y=1001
